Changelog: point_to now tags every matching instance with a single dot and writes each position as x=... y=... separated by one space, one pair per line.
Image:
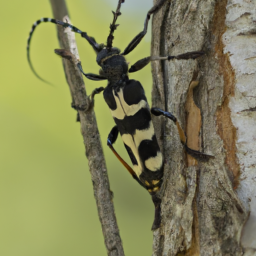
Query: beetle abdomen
x=130 y=110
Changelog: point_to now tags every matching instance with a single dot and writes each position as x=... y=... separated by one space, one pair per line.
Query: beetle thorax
x=114 y=66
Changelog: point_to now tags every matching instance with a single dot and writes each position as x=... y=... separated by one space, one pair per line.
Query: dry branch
x=90 y=133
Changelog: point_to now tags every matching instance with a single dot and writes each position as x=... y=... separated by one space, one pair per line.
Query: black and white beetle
x=129 y=107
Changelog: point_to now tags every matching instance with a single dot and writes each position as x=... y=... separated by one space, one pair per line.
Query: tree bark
x=205 y=204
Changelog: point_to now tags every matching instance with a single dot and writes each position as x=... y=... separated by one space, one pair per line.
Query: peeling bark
x=226 y=129
x=193 y=123
x=201 y=211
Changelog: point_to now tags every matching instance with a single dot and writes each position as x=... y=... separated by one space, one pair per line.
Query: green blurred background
x=46 y=197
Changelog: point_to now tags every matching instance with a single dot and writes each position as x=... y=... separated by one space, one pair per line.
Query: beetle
x=128 y=105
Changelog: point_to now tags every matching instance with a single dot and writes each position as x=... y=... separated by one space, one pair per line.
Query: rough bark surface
x=201 y=211
x=90 y=133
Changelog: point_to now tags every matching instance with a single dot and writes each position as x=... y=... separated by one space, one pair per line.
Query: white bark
x=240 y=44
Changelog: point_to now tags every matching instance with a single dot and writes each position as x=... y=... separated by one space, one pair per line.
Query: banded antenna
x=28 y=45
x=90 y=40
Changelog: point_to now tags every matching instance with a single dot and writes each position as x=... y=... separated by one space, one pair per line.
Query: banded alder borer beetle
x=128 y=105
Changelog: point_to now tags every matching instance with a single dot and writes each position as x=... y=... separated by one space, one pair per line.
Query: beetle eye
x=101 y=72
x=116 y=49
x=101 y=46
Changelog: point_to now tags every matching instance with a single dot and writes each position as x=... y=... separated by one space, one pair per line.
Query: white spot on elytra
x=128 y=140
x=154 y=163
x=123 y=109
x=145 y=134
x=137 y=169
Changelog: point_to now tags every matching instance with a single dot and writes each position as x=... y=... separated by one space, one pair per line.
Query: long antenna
x=113 y=26
x=28 y=46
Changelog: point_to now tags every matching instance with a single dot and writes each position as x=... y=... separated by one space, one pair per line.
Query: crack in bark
x=248 y=110
x=163 y=53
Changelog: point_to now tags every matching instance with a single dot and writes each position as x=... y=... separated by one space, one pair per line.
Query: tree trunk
x=205 y=205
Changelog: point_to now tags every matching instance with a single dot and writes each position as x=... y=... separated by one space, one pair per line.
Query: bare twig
x=90 y=134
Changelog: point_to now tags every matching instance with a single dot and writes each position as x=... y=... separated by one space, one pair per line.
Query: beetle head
x=105 y=54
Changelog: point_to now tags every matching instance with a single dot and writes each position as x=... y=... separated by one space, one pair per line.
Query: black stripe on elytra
x=109 y=98
x=139 y=121
x=133 y=92
x=148 y=149
x=130 y=153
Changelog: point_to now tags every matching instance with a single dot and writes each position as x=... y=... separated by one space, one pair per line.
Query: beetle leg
x=94 y=92
x=113 y=25
x=90 y=76
x=111 y=140
x=66 y=54
x=196 y=154
x=136 y=40
x=88 y=106
x=143 y=62
x=139 y=64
